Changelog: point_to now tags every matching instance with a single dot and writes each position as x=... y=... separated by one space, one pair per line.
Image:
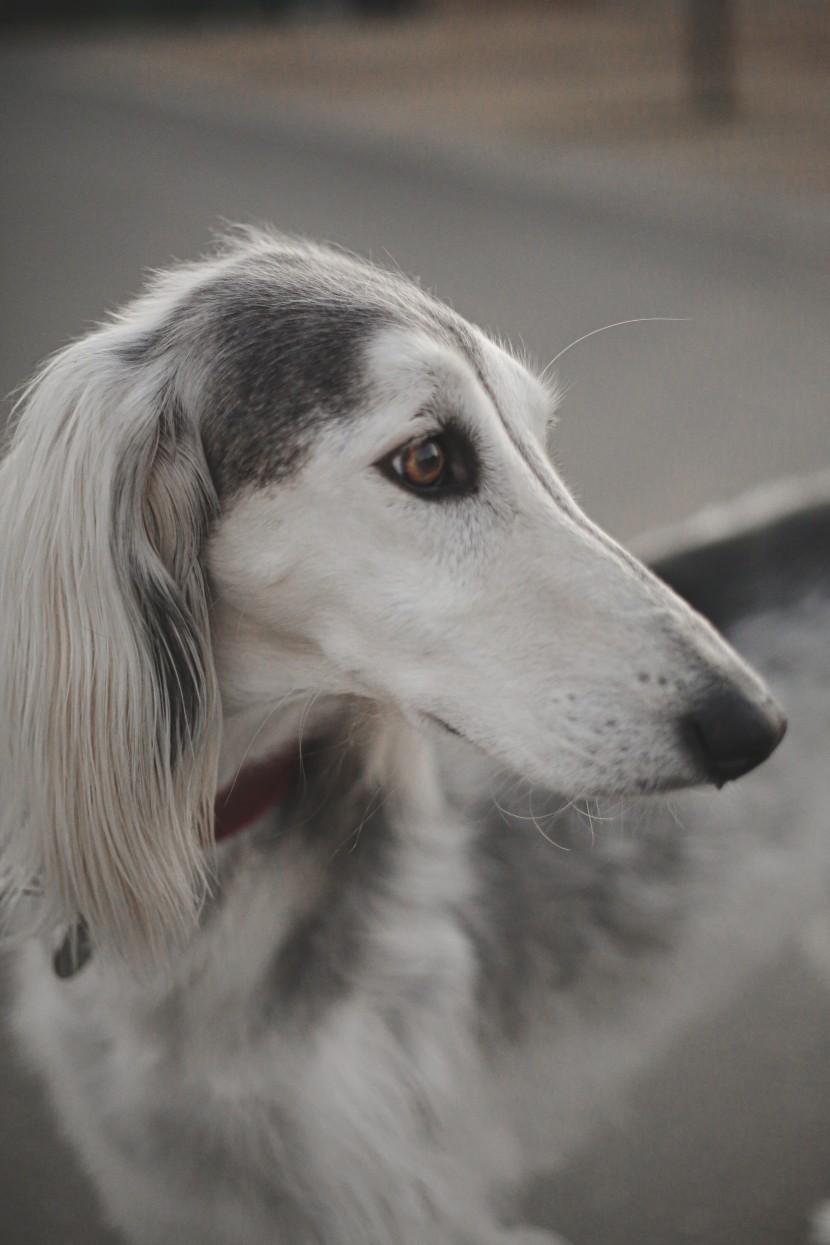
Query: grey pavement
x=102 y=178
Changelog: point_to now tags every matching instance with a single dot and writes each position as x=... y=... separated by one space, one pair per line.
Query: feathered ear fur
x=109 y=709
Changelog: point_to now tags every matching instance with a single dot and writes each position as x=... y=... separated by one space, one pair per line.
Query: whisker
x=508 y=814
x=306 y=711
x=616 y=325
x=269 y=715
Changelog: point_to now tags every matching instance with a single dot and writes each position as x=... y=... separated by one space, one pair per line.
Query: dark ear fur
x=166 y=578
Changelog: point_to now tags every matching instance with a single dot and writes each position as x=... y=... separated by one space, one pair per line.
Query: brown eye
x=422 y=464
x=437 y=467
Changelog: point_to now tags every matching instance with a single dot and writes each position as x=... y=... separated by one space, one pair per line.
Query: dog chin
x=569 y=787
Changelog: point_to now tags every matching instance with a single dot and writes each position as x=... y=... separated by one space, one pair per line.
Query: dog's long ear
x=109 y=708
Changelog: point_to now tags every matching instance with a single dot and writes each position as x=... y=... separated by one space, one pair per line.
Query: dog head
x=284 y=474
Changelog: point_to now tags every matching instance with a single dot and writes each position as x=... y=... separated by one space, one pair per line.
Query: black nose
x=734 y=734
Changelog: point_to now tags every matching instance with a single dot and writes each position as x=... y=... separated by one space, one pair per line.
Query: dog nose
x=734 y=733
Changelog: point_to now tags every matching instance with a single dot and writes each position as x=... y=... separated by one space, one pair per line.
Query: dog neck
x=262 y=753
x=260 y=732
x=257 y=789
x=275 y=698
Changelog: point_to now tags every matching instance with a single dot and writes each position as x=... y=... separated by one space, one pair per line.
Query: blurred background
x=548 y=168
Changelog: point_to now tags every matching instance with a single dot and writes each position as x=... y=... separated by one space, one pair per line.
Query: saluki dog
x=296 y=613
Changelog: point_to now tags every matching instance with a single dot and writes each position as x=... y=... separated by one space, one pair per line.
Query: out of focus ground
x=542 y=169
x=583 y=81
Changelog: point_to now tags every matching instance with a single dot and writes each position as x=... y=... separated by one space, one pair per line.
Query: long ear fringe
x=109 y=708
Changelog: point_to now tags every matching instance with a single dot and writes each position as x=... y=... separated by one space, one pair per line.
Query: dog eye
x=434 y=466
x=422 y=464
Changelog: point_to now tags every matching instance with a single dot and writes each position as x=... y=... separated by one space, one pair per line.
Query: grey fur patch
x=188 y=1151
x=279 y=340
x=562 y=904
x=162 y=509
x=546 y=919
x=342 y=820
x=282 y=362
x=567 y=904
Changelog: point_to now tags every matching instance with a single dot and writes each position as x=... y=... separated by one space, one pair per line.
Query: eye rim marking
x=459 y=474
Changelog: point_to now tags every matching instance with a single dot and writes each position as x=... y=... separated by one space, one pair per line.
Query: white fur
x=331 y=595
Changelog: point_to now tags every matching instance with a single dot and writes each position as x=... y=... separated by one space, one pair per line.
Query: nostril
x=734 y=733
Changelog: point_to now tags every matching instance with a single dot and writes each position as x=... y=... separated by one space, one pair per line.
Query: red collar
x=256 y=789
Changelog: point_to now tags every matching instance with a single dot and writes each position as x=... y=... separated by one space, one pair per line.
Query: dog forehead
x=409 y=363
x=414 y=362
x=517 y=391
x=286 y=340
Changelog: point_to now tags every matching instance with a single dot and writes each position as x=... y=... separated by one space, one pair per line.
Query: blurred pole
x=711 y=58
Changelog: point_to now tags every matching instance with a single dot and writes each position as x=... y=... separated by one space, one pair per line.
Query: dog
x=297 y=619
